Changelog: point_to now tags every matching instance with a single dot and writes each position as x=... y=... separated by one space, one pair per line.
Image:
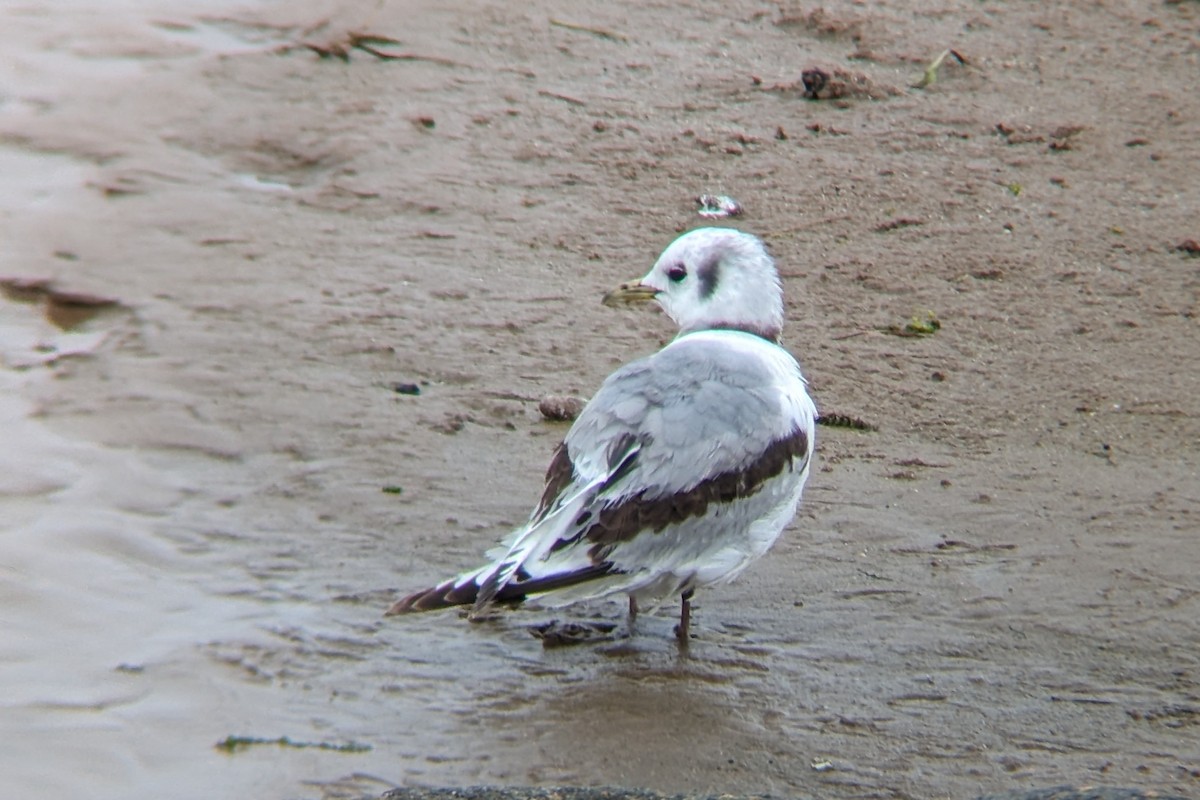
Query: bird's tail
x=459 y=592
x=444 y=595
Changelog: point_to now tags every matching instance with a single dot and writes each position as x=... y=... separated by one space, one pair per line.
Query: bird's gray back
x=704 y=405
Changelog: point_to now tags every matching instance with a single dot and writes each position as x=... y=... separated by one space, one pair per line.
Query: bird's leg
x=685 y=616
x=632 y=618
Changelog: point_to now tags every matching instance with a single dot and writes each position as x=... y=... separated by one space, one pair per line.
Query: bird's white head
x=713 y=278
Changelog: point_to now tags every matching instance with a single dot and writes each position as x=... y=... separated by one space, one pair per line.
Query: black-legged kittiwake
x=684 y=467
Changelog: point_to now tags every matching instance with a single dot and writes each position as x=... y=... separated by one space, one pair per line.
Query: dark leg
x=685 y=616
x=633 y=609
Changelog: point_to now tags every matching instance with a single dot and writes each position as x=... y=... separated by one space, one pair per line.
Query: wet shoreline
x=211 y=489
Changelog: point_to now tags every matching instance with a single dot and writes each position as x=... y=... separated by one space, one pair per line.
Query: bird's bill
x=629 y=293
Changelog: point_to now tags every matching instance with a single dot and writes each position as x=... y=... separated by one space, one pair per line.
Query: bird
x=683 y=468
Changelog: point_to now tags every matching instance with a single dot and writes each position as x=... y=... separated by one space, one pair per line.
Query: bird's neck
x=771 y=334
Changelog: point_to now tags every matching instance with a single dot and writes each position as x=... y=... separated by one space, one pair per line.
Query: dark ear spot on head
x=707 y=274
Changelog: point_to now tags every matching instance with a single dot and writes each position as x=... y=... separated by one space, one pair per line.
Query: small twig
x=369 y=43
x=603 y=33
x=575 y=101
x=872 y=575
x=844 y=421
x=897 y=223
x=849 y=595
x=382 y=56
x=328 y=51
x=918 y=462
x=524 y=398
x=357 y=39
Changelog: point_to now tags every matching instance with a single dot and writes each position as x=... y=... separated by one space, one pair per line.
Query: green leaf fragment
x=927 y=326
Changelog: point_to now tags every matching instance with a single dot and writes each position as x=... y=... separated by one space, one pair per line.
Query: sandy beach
x=229 y=233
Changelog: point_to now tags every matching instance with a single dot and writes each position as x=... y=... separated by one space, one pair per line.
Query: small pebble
x=560 y=408
x=563 y=634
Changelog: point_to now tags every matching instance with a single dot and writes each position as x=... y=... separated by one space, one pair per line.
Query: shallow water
x=108 y=622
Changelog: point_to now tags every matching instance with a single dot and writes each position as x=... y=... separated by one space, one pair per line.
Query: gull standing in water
x=684 y=467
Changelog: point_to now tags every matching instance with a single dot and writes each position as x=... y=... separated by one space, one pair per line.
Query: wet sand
x=993 y=591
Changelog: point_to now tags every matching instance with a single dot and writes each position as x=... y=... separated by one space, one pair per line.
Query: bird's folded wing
x=693 y=412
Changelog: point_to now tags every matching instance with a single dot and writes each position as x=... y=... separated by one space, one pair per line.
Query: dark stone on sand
x=611 y=793
x=841 y=84
x=406 y=388
x=560 y=408
x=564 y=634
x=815 y=80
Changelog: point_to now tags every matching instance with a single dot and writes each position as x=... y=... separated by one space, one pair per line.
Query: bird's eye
x=677 y=273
